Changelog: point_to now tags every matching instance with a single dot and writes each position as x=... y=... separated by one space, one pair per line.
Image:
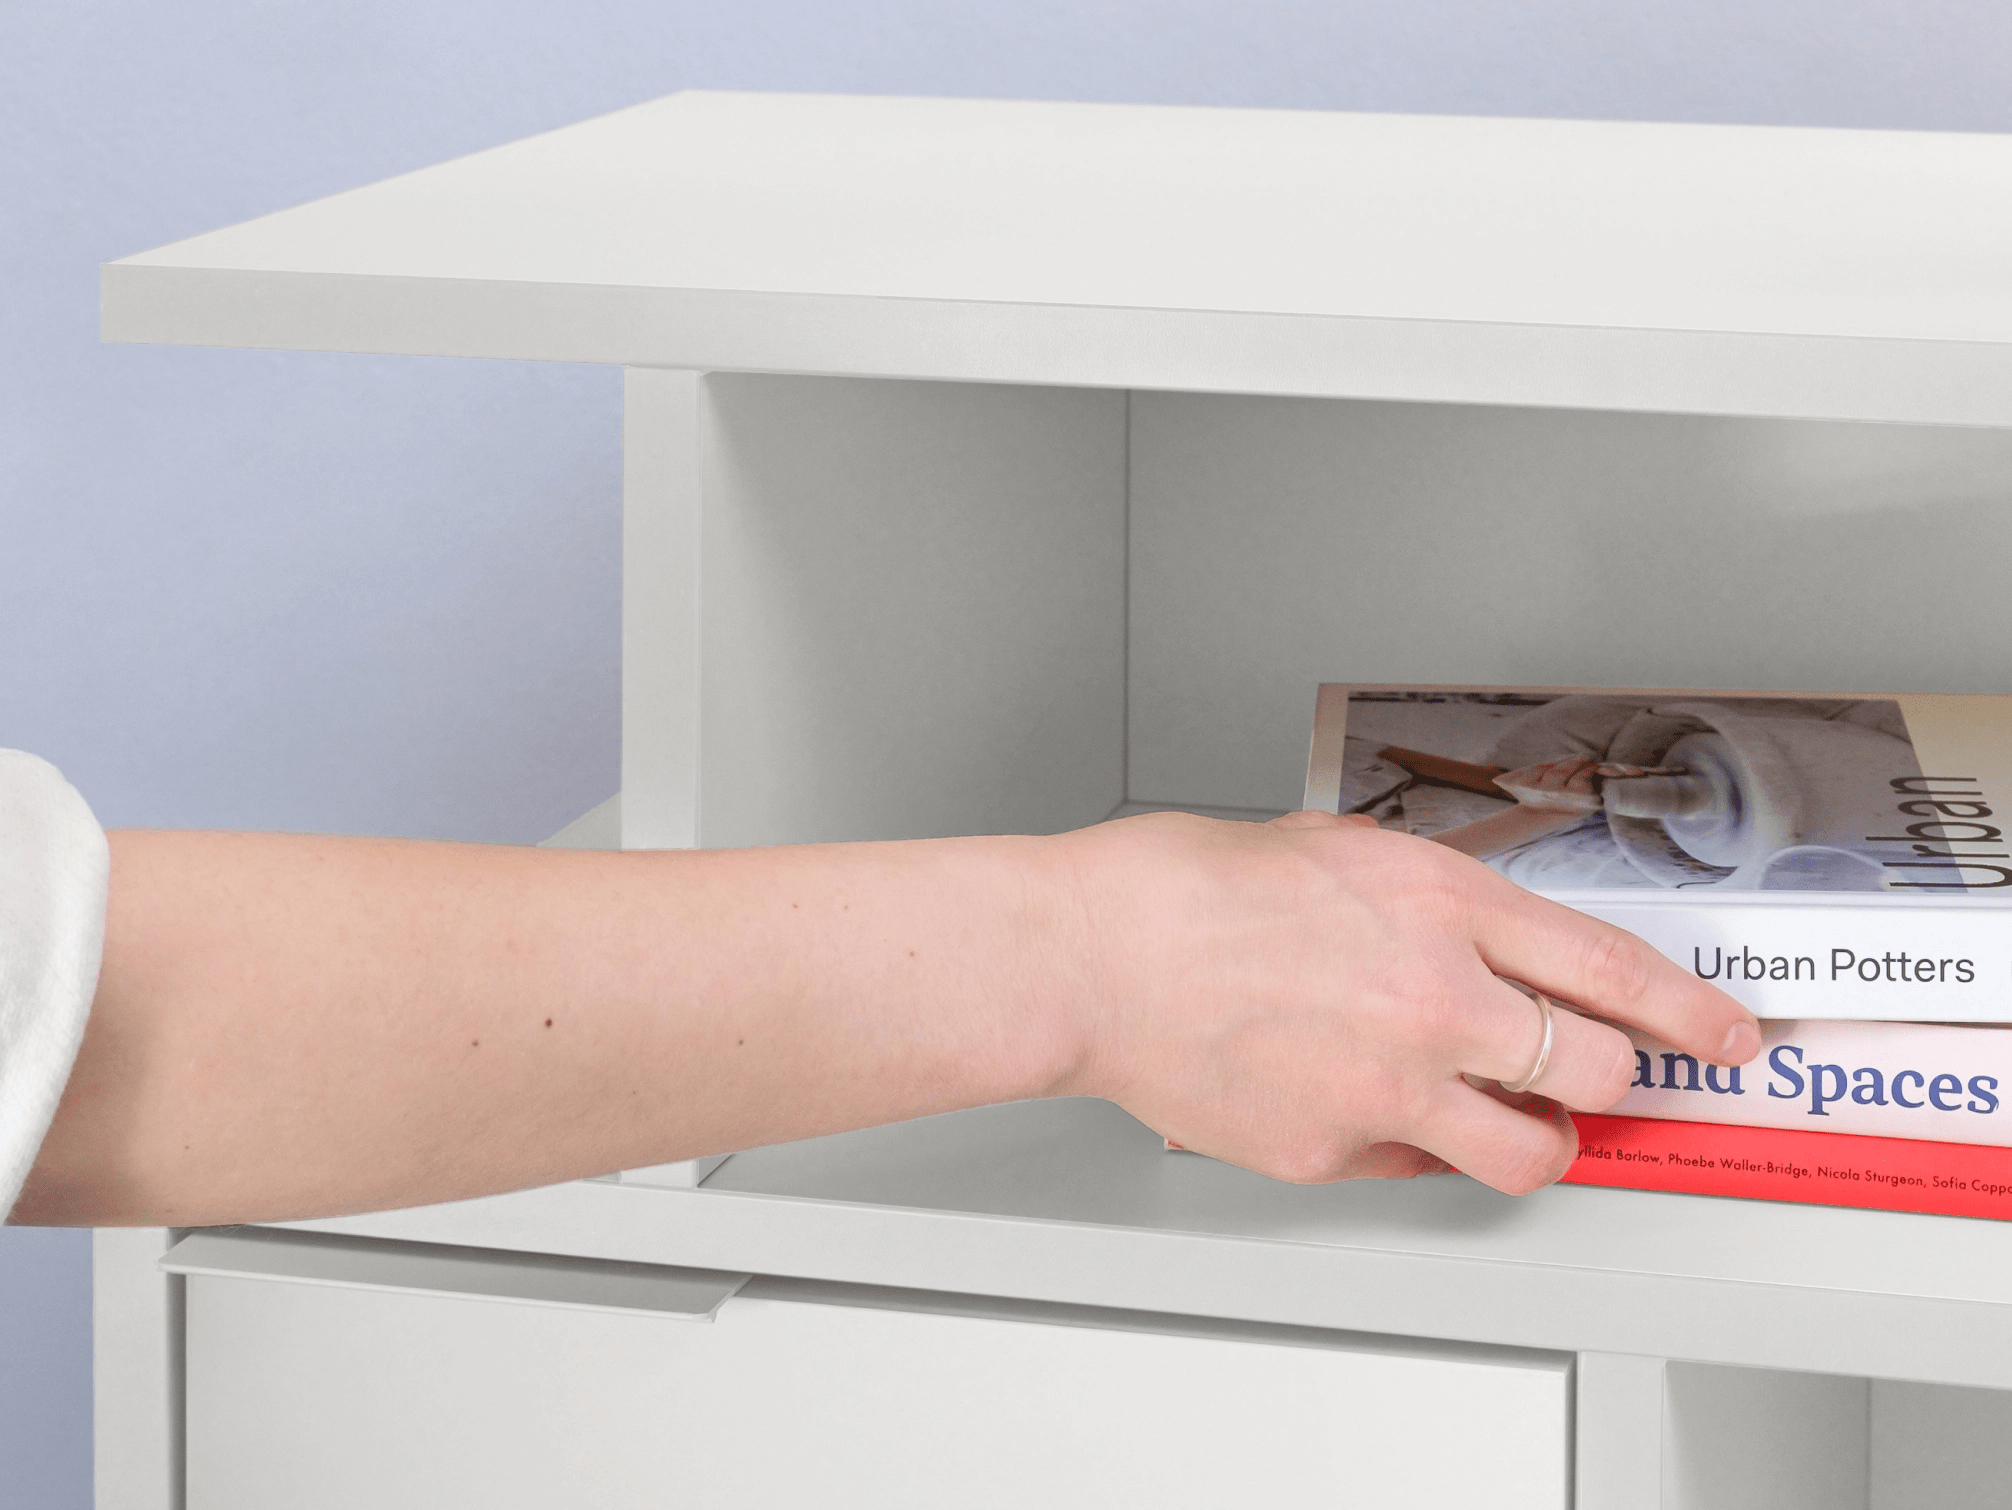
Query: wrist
x=1049 y=945
x=1109 y=956
x=997 y=980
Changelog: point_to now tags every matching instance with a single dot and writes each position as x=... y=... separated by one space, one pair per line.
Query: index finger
x=1607 y=972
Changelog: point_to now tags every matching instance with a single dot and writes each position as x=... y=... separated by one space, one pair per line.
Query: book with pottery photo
x=1816 y=855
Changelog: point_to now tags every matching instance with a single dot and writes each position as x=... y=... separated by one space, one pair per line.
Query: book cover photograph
x=1816 y=855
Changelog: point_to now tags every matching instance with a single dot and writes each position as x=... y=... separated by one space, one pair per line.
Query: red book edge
x=1777 y=1164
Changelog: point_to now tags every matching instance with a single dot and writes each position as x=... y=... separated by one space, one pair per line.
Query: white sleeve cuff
x=53 y=870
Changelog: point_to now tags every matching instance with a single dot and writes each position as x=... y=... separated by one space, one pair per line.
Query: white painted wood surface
x=1937 y=1445
x=1656 y=1435
x=912 y=617
x=315 y=1398
x=652 y=1291
x=1280 y=543
x=667 y=426
x=1850 y=274
x=1617 y=1433
x=136 y=1371
x=1758 y=1439
x=1073 y=1201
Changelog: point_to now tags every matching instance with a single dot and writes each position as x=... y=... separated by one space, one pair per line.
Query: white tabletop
x=1738 y=269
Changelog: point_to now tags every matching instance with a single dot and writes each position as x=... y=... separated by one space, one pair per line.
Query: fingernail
x=1743 y=1041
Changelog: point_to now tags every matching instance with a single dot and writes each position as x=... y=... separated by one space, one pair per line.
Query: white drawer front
x=308 y=1397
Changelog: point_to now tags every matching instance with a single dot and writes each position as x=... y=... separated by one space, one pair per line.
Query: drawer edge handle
x=352 y=1263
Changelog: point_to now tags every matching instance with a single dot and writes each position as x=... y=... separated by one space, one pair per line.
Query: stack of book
x=1833 y=861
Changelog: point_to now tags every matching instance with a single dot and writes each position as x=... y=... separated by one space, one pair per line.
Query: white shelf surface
x=1737 y=270
x=1074 y=1202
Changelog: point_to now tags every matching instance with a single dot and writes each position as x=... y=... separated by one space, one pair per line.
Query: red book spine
x=1814 y=1168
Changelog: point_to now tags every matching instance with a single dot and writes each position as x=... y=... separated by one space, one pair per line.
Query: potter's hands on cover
x=1567 y=785
x=1316 y=998
x=1551 y=797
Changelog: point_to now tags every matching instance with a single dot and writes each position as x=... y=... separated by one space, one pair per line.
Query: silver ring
x=1543 y=1048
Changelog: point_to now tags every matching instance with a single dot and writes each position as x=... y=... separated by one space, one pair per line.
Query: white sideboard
x=997 y=467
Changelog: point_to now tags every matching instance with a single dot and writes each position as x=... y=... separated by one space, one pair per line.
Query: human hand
x=1305 y=998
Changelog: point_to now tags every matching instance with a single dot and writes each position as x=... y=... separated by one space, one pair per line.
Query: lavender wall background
x=378 y=596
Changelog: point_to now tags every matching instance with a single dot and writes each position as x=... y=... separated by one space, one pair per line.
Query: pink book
x=1929 y=1082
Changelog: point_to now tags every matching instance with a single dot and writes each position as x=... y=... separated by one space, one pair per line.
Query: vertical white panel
x=1763 y=1439
x=1938 y=1444
x=663 y=453
x=1278 y=543
x=136 y=1370
x=913 y=609
x=1618 y=1432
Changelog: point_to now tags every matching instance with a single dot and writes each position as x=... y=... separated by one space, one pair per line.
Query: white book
x=1931 y=1082
x=1818 y=855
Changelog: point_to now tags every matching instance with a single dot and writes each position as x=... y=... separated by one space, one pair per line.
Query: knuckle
x=1619 y=969
x=1436 y=879
x=1414 y=873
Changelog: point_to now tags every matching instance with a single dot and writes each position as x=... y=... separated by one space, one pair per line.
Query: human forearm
x=288 y=1026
